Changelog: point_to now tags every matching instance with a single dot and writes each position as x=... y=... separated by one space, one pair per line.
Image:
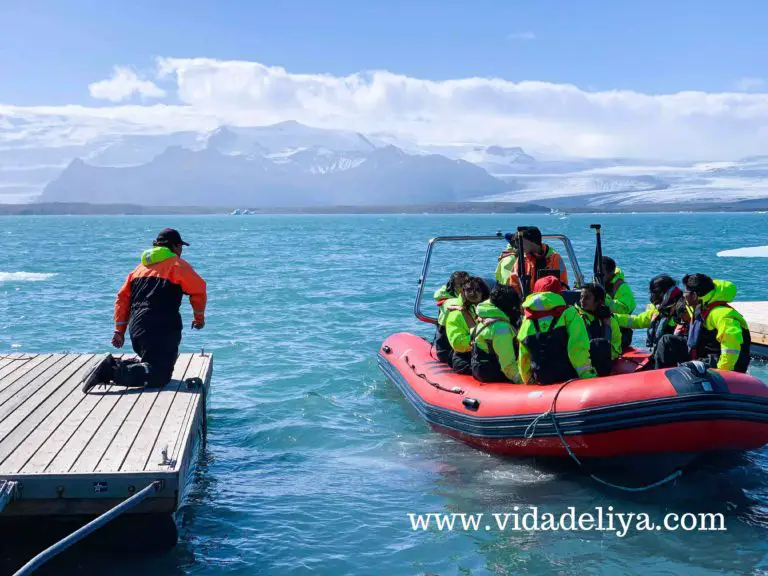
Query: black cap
x=699 y=284
x=170 y=237
x=530 y=233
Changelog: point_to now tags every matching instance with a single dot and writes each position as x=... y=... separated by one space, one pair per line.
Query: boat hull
x=670 y=411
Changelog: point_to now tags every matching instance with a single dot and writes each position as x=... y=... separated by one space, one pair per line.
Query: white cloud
x=535 y=115
x=521 y=36
x=123 y=84
x=750 y=84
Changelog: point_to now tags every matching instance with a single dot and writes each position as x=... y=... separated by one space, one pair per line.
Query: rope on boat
x=454 y=390
x=531 y=430
x=86 y=530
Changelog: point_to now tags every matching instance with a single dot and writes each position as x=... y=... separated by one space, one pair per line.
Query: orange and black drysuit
x=549 y=259
x=149 y=304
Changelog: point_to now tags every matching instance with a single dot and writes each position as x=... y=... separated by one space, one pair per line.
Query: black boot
x=103 y=373
x=132 y=374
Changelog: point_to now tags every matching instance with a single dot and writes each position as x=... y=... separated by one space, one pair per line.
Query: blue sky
x=51 y=50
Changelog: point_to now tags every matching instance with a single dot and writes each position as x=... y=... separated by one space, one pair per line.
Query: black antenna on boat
x=524 y=279
x=597 y=267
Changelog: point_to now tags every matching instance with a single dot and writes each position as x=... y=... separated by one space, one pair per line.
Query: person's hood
x=543 y=301
x=442 y=293
x=488 y=310
x=724 y=291
x=156 y=254
x=619 y=275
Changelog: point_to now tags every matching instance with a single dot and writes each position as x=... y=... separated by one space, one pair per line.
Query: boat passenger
x=538 y=257
x=450 y=290
x=718 y=335
x=602 y=327
x=554 y=343
x=494 y=358
x=460 y=319
x=149 y=303
x=662 y=316
x=621 y=299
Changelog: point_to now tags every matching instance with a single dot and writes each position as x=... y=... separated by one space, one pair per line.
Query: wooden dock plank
x=144 y=441
x=26 y=401
x=5 y=360
x=193 y=406
x=109 y=418
x=174 y=422
x=184 y=447
x=756 y=315
x=11 y=373
x=18 y=392
x=118 y=451
x=9 y=365
x=28 y=438
x=16 y=363
x=72 y=434
x=84 y=450
x=16 y=425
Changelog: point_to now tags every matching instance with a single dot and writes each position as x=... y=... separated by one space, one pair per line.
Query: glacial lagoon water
x=314 y=460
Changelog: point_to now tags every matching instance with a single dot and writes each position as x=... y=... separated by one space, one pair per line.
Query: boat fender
x=471 y=403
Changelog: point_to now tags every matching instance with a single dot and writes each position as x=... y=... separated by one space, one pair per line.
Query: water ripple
x=313 y=460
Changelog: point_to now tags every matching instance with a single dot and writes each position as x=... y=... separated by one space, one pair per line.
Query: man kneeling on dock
x=149 y=302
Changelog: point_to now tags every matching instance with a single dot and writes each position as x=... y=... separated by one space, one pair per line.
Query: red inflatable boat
x=677 y=410
x=686 y=410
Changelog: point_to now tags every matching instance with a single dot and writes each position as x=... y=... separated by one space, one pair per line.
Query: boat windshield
x=479 y=256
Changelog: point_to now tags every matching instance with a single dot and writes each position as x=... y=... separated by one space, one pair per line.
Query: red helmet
x=548 y=284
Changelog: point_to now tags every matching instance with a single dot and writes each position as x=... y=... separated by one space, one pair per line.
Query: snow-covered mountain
x=289 y=136
x=319 y=160
x=303 y=159
x=500 y=159
x=306 y=177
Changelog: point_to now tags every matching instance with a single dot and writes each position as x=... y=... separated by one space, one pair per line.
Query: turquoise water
x=314 y=460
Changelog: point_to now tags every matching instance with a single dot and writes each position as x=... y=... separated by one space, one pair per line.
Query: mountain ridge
x=314 y=165
x=207 y=176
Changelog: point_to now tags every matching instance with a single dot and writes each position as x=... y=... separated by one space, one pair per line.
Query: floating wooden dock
x=756 y=315
x=72 y=453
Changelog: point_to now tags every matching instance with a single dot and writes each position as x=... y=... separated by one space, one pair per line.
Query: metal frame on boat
x=571 y=254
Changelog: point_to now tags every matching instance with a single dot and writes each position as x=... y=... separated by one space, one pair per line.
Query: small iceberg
x=750 y=252
x=241 y=212
x=25 y=276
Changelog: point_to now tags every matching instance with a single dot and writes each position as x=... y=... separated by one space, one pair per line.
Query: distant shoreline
x=85 y=209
